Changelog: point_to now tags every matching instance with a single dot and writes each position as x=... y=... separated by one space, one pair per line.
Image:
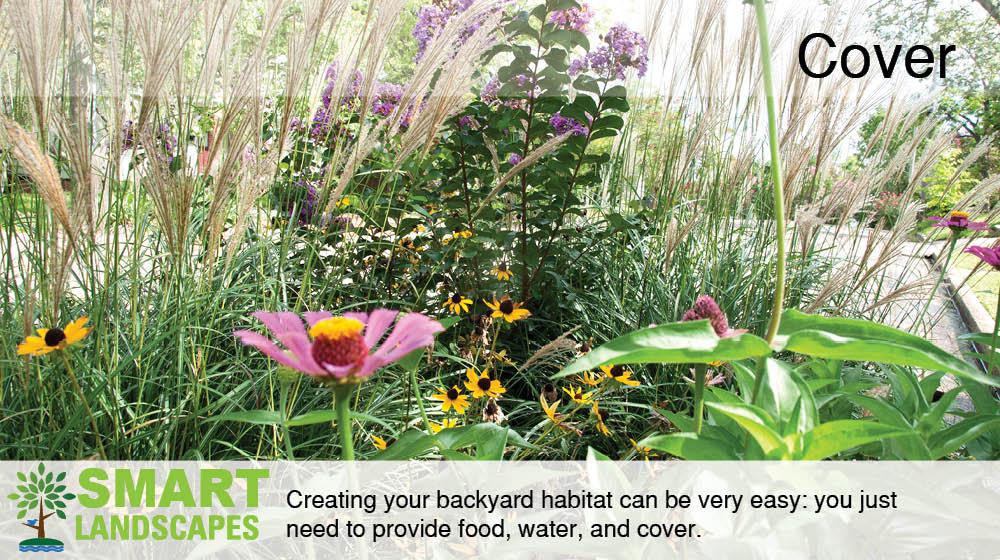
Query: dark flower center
x=506 y=307
x=502 y=268
x=457 y=298
x=491 y=408
x=603 y=414
x=342 y=351
x=54 y=337
x=617 y=371
x=484 y=383
x=452 y=394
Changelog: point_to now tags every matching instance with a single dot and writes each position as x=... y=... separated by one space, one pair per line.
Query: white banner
x=667 y=509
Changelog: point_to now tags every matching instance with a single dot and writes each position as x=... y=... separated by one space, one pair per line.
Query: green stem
x=776 y=178
x=86 y=405
x=283 y=402
x=342 y=406
x=700 y=371
x=994 y=351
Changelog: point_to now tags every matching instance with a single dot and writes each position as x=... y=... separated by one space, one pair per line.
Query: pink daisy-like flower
x=957 y=221
x=989 y=255
x=705 y=307
x=341 y=348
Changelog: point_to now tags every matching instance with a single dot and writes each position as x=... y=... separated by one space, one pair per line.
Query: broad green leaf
x=595 y=455
x=831 y=438
x=953 y=437
x=756 y=422
x=883 y=411
x=931 y=421
x=865 y=341
x=779 y=395
x=489 y=440
x=690 y=446
x=264 y=417
x=329 y=415
x=692 y=342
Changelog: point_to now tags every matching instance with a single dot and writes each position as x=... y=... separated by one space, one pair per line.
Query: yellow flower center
x=336 y=328
x=959 y=214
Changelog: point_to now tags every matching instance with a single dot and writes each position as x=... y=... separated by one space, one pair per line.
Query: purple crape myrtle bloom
x=342 y=349
x=989 y=255
x=574 y=19
x=622 y=49
x=705 y=307
x=433 y=18
x=958 y=221
x=387 y=97
x=467 y=121
x=515 y=159
x=491 y=91
x=562 y=125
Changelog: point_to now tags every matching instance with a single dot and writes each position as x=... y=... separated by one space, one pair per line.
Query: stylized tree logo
x=40 y=491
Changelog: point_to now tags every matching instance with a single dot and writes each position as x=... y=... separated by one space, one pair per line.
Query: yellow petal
x=76 y=331
x=33 y=346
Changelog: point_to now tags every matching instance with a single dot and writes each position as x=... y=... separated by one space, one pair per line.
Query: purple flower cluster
x=515 y=159
x=305 y=196
x=575 y=19
x=563 y=125
x=622 y=49
x=431 y=19
x=327 y=120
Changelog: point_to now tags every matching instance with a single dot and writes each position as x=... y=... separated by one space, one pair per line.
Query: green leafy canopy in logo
x=40 y=491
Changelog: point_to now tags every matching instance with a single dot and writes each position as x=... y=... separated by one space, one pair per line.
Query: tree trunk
x=41 y=519
x=991 y=8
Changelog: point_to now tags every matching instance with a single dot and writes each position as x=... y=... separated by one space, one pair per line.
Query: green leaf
x=263 y=417
x=865 y=341
x=953 y=437
x=690 y=446
x=488 y=439
x=61 y=514
x=883 y=411
x=13 y=496
x=69 y=496
x=692 y=342
x=329 y=415
x=60 y=476
x=595 y=455
x=756 y=422
x=831 y=438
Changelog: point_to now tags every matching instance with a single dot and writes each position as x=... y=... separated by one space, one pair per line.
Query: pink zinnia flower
x=706 y=308
x=340 y=348
x=957 y=221
x=989 y=255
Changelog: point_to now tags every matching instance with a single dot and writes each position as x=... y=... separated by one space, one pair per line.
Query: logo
x=40 y=495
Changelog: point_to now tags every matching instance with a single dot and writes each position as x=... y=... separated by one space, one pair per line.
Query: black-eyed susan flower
x=344 y=202
x=482 y=385
x=507 y=309
x=584 y=347
x=620 y=374
x=577 y=395
x=502 y=273
x=445 y=424
x=379 y=443
x=452 y=398
x=493 y=413
x=641 y=450
x=54 y=339
x=457 y=303
x=551 y=410
x=559 y=420
x=589 y=378
x=602 y=417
